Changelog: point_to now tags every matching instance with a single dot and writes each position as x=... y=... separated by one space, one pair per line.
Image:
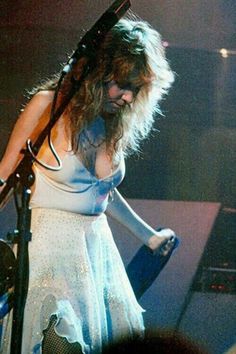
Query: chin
x=110 y=110
x=108 y=114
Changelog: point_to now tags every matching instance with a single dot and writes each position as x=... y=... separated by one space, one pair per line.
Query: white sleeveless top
x=75 y=188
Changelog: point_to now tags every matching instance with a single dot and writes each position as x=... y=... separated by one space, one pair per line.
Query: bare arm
x=121 y=211
x=29 y=124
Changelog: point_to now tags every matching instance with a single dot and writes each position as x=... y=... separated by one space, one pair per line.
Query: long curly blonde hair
x=131 y=52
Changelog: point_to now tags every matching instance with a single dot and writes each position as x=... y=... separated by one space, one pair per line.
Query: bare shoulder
x=43 y=97
x=39 y=102
x=38 y=106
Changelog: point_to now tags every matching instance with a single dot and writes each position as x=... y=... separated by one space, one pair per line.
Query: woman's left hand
x=162 y=241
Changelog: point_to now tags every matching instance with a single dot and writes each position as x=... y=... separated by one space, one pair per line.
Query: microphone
x=94 y=37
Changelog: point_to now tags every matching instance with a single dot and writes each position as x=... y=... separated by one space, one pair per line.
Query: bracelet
x=2 y=182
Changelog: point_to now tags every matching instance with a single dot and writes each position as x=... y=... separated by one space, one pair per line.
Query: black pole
x=22 y=272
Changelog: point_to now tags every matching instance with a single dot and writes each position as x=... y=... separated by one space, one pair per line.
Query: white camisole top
x=75 y=188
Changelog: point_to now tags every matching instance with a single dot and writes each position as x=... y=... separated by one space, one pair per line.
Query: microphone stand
x=23 y=177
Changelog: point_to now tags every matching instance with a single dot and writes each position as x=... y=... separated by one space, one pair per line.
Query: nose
x=127 y=96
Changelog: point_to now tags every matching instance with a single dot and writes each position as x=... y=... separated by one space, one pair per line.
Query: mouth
x=113 y=106
x=116 y=104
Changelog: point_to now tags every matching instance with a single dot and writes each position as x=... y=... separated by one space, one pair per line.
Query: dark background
x=191 y=157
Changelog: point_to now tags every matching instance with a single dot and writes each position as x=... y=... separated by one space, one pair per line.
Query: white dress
x=76 y=271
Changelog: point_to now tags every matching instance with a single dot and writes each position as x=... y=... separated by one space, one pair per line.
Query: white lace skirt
x=77 y=274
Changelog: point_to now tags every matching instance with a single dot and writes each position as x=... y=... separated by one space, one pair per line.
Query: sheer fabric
x=77 y=274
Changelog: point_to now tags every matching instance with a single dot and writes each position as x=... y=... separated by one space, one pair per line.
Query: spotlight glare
x=224 y=53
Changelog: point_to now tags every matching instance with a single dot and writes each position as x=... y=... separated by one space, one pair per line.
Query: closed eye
x=130 y=87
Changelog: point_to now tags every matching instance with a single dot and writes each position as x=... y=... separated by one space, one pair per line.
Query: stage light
x=224 y=53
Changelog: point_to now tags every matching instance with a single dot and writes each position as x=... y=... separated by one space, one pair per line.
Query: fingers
x=166 y=232
x=163 y=241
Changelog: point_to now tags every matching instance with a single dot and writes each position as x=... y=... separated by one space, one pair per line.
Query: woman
x=79 y=295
